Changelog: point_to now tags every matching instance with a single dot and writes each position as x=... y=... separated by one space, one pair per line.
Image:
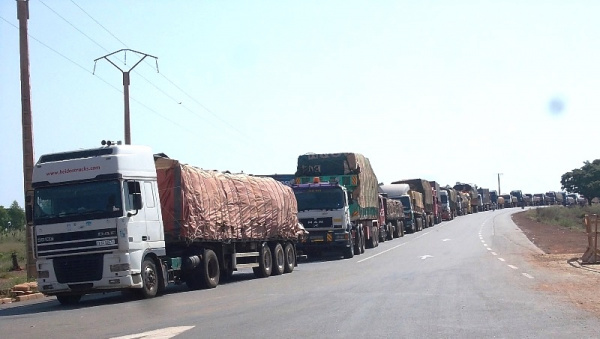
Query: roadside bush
x=568 y=217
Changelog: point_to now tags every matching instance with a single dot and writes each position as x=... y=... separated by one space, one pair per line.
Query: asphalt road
x=464 y=278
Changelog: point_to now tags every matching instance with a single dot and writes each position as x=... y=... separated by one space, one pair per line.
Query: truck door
x=144 y=224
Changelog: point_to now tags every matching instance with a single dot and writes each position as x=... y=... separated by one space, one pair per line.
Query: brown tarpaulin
x=213 y=206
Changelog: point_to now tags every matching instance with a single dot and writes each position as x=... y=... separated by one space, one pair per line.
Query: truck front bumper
x=325 y=241
x=111 y=272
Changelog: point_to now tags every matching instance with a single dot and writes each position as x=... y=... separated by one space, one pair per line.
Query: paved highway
x=465 y=278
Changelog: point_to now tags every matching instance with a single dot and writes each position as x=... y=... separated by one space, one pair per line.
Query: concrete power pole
x=27 y=126
x=126 y=85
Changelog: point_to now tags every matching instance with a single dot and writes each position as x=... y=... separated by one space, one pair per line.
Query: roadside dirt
x=563 y=249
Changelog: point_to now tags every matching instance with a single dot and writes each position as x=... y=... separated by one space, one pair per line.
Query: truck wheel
x=149 y=279
x=363 y=242
x=210 y=269
x=265 y=261
x=349 y=251
x=401 y=227
x=70 y=299
x=290 y=258
x=391 y=230
x=397 y=230
x=278 y=260
x=357 y=243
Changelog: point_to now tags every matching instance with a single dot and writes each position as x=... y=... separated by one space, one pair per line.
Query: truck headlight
x=119 y=267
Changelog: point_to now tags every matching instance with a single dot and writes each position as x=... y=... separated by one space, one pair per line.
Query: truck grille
x=80 y=268
x=77 y=242
x=317 y=222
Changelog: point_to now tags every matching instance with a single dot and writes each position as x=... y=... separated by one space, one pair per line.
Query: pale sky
x=441 y=90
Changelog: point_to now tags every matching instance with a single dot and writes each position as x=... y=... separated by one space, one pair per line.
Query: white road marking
x=446 y=240
x=389 y=249
x=423 y=257
x=163 y=333
x=527 y=275
x=489 y=249
x=513 y=267
x=501 y=259
x=494 y=253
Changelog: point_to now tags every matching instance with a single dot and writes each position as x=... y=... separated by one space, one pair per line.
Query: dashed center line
x=526 y=275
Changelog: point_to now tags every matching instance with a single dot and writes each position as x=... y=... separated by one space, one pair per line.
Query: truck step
x=238 y=266
x=246 y=254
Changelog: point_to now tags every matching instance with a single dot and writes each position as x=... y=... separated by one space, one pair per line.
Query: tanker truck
x=354 y=224
x=120 y=218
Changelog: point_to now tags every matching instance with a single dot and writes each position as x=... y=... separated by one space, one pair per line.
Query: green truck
x=358 y=214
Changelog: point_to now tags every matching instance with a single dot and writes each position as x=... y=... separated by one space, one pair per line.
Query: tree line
x=12 y=218
x=584 y=180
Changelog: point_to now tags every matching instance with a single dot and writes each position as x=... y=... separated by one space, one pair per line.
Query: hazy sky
x=442 y=90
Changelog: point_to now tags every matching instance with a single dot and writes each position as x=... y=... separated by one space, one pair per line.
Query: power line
x=67 y=21
x=166 y=78
x=106 y=82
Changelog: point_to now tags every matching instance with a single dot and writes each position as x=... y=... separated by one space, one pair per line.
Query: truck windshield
x=319 y=199
x=444 y=199
x=77 y=202
x=405 y=202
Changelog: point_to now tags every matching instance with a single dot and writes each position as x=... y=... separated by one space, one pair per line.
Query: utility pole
x=27 y=130
x=499 y=192
x=126 y=83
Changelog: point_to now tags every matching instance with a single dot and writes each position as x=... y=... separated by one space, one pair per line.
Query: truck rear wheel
x=149 y=279
x=278 y=260
x=265 y=262
x=290 y=258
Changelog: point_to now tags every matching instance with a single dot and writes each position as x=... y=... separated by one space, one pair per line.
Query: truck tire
x=398 y=230
x=210 y=269
x=357 y=242
x=69 y=299
x=349 y=251
x=391 y=230
x=149 y=279
x=363 y=242
x=290 y=258
x=265 y=262
x=278 y=260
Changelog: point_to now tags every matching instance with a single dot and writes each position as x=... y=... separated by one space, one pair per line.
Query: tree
x=584 y=180
x=4 y=219
x=16 y=216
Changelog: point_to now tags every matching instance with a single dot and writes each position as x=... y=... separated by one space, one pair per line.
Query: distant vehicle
x=508 y=200
x=551 y=198
x=412 y=204
x=519 y=201
x=422 y=186
x=528 y=198
x=539 y=199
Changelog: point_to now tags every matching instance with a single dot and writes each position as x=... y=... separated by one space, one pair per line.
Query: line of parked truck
x=119 y=217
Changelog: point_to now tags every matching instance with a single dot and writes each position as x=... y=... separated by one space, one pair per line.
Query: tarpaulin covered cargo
x=394 y=209
x=214 y=206
x=363 y=187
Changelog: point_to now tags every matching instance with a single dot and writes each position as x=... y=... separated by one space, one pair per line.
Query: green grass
x=568 y=217
x=12 y=242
